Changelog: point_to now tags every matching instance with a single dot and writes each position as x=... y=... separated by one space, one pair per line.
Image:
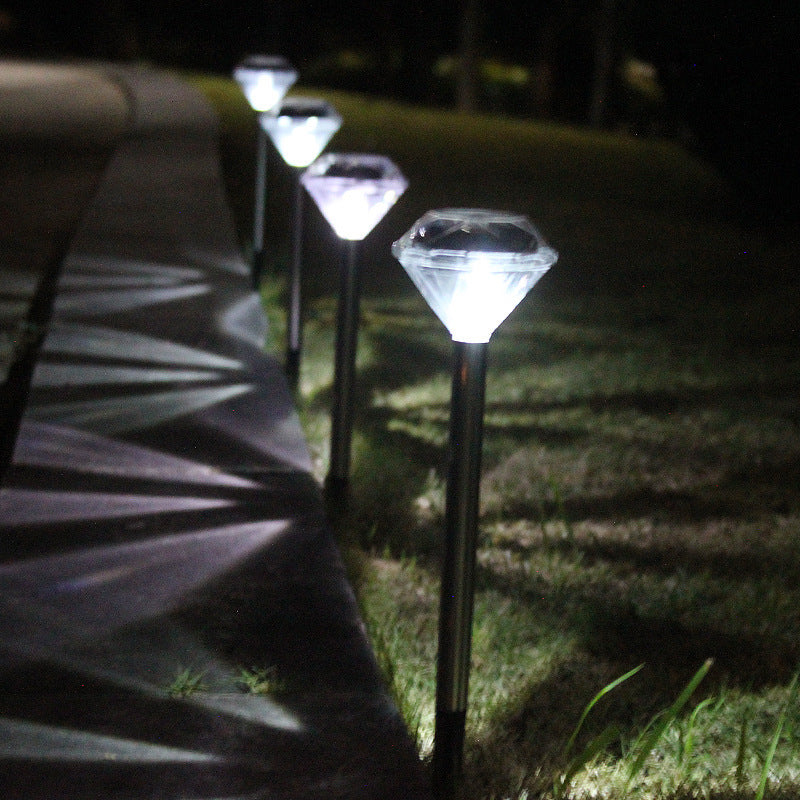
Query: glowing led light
x=264 y=80
x=300 y=128
x=473 y=266
x=354 y=191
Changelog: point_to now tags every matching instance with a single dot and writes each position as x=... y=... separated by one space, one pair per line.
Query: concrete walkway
x=159 y=524
x=58 y=126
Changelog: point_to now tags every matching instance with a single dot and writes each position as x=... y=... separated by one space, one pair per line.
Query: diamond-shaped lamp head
x=264 y=80
x=300 y=128
x=473 y=266
x=354 y=191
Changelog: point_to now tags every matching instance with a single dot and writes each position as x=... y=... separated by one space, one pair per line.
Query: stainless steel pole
x=458 y=571
x=344 y=371
x=294 y=332
x=259 y=207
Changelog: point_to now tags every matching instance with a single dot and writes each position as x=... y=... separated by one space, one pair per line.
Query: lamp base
x=448 y=754
x=259 y=264
x=292 y=368
x=337 y=493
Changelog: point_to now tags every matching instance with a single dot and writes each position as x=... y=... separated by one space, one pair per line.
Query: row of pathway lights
x=300 y=129
x=264 y=81
x=473 y=267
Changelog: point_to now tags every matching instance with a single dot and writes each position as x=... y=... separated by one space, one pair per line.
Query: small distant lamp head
x=300 y=128
x=473 y=266
x=354 y=191
x=264 y=80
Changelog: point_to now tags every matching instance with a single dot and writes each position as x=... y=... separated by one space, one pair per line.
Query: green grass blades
x=596 y=747
x=776 y=737
x=262 y=681
x=656 y=730
x=593 y=702
x=186 y=683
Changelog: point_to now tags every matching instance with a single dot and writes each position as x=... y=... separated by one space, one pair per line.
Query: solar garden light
x=299 y=129
x=354 y=192
x=473 y=267
x=264 y=80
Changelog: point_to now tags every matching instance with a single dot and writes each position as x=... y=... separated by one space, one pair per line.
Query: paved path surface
x=58 y=126
x=159 y=517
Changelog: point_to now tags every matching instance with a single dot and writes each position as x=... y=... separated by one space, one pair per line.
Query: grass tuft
x=187 y=682
x=261 y=681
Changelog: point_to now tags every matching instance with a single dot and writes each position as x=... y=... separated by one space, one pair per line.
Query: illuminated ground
x=159 y=518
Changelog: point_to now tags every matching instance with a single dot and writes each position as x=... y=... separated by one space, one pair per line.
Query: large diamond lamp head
x=264 y=80
x=300 y=128
x=354 y=191
x=473 y=266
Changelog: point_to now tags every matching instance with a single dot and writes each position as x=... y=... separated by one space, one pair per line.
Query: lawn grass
x=641 y=492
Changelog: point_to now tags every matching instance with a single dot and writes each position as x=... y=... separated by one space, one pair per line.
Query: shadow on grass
x=525 y=745
x=731 y=394
x=537 y=720
x=407 y=437
x=406 y=446
x=737 y=497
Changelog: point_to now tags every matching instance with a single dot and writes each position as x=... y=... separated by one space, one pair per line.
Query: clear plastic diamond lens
x=301 y=128
x=473 y=267
x=354 y=191
x=264 y=80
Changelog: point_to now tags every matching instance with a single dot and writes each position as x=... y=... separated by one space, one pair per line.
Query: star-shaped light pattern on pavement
x=159 y=519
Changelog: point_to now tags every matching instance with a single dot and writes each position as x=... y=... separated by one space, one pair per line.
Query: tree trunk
x=115 y=35
x=468 y=81
x=605 y=46
x=543 y=69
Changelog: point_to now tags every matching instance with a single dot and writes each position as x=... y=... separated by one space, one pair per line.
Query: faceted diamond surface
x=264 y=80
x=301 y=128
x=354 y=191
x=473 y=266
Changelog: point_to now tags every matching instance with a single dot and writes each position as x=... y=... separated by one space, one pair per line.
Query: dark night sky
x=737 y=34
x=730 y=67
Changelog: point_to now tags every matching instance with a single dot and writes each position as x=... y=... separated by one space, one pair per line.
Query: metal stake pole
x=294 y=331
x=259 y=207
x=458 y=571
x=344 y=371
